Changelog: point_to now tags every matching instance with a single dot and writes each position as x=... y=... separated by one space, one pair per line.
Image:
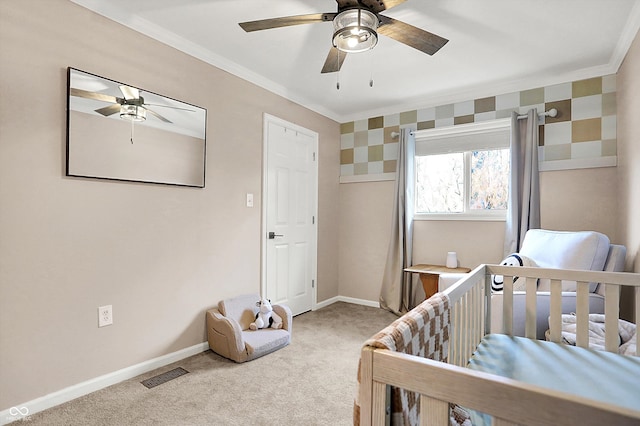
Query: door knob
x=272 y=235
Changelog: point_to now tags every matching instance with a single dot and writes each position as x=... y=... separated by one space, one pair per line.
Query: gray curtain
x=396 y=291
x=524 y=188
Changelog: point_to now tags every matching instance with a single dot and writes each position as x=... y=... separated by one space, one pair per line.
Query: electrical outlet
x=105 y=315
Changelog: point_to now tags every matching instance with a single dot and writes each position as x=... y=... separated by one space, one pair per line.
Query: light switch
x=249 y=200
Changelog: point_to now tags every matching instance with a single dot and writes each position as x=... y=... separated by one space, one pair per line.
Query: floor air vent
x=164 y=377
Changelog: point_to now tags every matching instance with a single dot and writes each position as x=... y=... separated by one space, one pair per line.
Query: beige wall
x=474 y=242
x=629 y=154
x=570 y=200
x=365 y=226
x=581 y=199
x=629 y=163
x=161 y=255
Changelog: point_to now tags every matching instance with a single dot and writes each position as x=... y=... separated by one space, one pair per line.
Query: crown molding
x=629 y=33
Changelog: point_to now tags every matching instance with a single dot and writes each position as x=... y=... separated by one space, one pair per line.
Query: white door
x=289 y=214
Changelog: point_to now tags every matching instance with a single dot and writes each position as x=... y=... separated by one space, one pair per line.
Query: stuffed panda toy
x=266 y=317
x=514 y=259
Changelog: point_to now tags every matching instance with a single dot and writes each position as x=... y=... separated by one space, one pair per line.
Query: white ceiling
x=496 y=46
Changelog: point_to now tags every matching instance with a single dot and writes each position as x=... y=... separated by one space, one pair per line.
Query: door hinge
x=314 y=156
x=313 y=220
x=313 y=283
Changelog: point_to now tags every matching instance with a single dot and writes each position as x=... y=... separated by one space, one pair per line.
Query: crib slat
x=456 y=340
x=479 y=318
x=465 y=326
x=487 y=306
x=437 y=412
x=507 y=305
x=582 y=314
x=485 y=312
x=454 y=336
x=531 y=301
x=611 y=313
x=555 y=308
x=460 y=329
x=468 y=323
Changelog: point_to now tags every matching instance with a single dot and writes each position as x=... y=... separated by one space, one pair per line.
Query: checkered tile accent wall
x=585 y=127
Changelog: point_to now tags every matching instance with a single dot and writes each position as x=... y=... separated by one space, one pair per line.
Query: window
x=462 y=172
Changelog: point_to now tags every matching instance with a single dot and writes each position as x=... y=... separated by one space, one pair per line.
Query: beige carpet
x=310 y=382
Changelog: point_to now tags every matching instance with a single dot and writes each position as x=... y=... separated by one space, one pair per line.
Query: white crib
x=526 y=398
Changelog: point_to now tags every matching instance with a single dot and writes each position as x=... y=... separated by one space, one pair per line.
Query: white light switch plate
x=249 y=200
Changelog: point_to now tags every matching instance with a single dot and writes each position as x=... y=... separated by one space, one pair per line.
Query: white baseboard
x=353 y=300
x=22 y=411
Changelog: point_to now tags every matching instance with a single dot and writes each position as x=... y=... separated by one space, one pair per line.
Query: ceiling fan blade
x=422 y=40
x=388 y=4
x=92 y=95
x=169 y=106
x=286 y=21
x=155 y=114
x=109 y=110
x=376 y=6
x=334 y=61
x=130 y=93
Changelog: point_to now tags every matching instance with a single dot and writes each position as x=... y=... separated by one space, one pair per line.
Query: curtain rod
x=551 y=113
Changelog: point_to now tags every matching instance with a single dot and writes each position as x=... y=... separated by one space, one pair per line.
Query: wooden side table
x=429 y=276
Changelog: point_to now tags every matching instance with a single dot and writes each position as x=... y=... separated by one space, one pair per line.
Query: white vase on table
x=452 y=260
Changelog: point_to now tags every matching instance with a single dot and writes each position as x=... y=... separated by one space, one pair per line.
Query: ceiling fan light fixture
x=355 y=30
x=133 y=112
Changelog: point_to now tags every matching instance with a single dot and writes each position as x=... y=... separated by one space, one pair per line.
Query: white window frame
x=484 y=135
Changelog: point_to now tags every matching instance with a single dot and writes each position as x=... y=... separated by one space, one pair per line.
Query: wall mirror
x=121 y=132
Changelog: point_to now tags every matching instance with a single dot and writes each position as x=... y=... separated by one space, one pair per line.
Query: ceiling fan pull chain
x=371 y=66
x=338 y=73
x=132 y=132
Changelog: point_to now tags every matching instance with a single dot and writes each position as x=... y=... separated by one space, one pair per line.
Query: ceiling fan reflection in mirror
x=357 y=24
x=131 y=106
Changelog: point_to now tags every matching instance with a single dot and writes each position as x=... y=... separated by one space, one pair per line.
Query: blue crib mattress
x=597 y=375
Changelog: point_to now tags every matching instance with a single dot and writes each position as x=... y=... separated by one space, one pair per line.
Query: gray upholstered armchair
x=229 y=334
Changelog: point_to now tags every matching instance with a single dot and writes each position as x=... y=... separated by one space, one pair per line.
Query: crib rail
x=612 y=282
x=518 y=404
x=470 y=300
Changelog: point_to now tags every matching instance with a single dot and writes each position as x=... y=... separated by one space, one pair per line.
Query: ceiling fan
x=357 y=24
x=131 y=106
